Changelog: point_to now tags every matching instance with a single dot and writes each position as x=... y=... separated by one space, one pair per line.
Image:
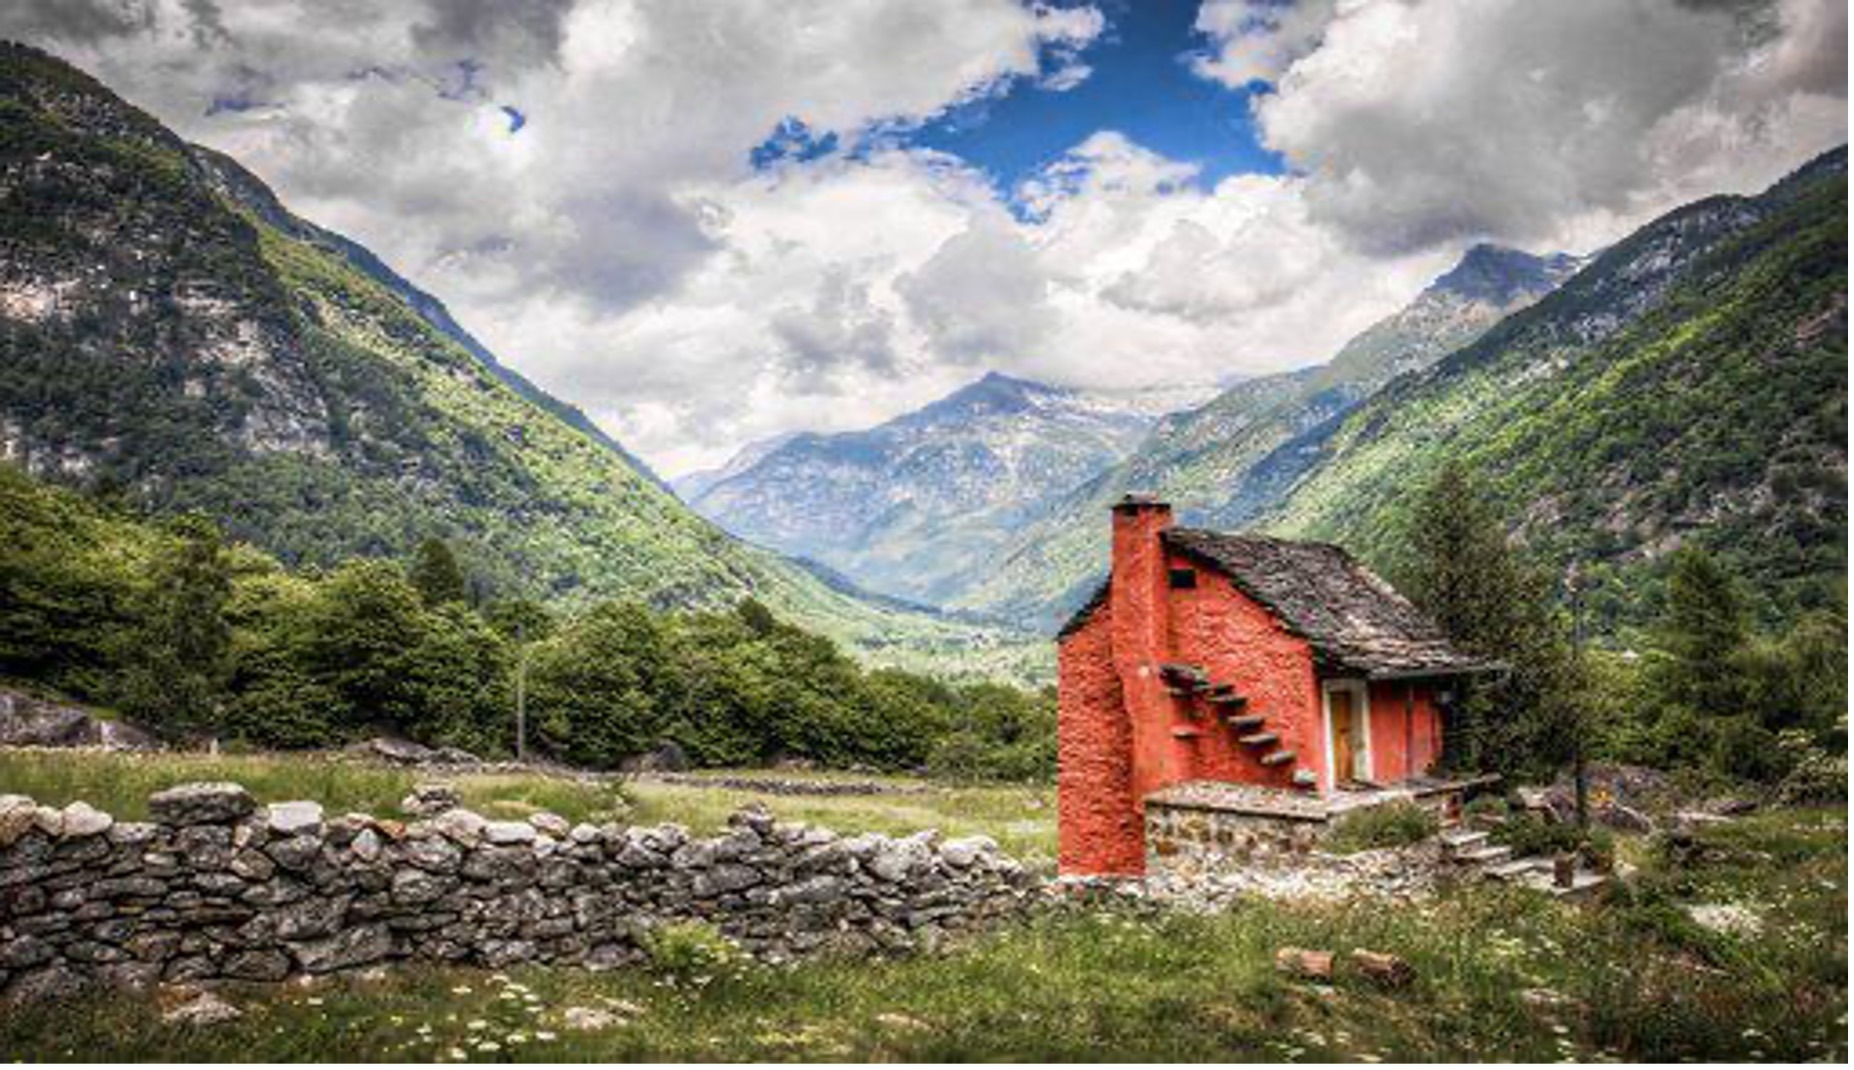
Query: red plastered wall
x=1099 y=820
x=1406 y=729
x=1239 y=642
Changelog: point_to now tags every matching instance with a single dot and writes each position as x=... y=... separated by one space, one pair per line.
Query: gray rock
x=963 y=852
x=294 y=818
x=201 y=804
x=552 y=824
x=462 y=826
x=51 y=984
x=723 y=878
x=366 y=845
x=295 y=853
x=432 y=853
x=503 y=833
x=80 y=819
x=353 y=947
x=430 y=800
x=202 y=1009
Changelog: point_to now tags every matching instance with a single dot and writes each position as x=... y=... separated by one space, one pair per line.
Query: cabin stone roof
x=1354 y=621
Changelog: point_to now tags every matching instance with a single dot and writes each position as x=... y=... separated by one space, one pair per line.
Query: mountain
x=695 y=484
x=1691 y=383
x=916 y=506
x=169 y=332
x=1224 y=462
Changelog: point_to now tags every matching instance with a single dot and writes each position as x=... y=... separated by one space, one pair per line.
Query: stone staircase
x=1473 y=850
x=1193 y=685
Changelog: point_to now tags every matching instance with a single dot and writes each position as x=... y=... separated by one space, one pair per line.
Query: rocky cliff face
x=914 y=506
x=1225 y=461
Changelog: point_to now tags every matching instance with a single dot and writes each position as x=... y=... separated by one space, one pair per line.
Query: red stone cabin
x=1243 y=673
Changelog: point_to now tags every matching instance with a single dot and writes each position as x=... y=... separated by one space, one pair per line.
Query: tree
x=595 y=686
x=1703 y=627
x=1459 y=568
x=437 y=575
x=178 y=661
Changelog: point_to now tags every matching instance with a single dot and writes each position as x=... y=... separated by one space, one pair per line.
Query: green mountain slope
x=1224 y=462
x=1690 y=384
x=167 y=331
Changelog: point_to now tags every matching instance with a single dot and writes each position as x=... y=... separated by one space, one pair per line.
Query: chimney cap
x=1136 y=501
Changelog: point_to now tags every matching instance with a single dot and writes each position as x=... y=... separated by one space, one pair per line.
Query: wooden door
x=1345 y=734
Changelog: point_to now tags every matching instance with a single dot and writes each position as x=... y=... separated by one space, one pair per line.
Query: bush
x=1531 y=834
x=1815 y=775
x=1396 y=824
x=694 y=952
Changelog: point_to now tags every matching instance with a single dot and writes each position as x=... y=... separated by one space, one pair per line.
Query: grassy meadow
x=1502 y=974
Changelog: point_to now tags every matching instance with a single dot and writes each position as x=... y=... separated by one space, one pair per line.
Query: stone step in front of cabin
x=1179 y=672
x=1278 y=757
x=1306 y=778
x=1220 y=690
x=1229 y=703
x=1489 y=855
x=1247 y=722
x=1186 y=732
x=1515 y=869
x=1258 y=739
x=1463 y=840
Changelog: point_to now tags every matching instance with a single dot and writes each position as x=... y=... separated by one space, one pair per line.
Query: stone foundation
x=216 y=887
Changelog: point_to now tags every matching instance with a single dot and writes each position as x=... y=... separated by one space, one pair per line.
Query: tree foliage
x=192 y=636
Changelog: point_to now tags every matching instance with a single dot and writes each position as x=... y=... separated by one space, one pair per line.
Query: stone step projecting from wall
x=217 y=887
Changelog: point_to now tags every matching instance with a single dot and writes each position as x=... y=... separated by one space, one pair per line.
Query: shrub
x=1396 y=824
x=1814 y=774
x=694 y=952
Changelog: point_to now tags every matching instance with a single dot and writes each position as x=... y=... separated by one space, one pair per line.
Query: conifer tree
x=177 y=659
x=437 y=575
x=1459 y=568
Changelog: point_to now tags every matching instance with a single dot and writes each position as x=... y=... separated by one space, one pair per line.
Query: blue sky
x=1140 y=84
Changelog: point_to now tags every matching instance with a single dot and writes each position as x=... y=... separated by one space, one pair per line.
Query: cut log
x=1305 y=964
x=1278 y=757
x=1384 y=970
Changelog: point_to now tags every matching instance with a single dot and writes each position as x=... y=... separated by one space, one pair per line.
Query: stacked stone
x=215 y=887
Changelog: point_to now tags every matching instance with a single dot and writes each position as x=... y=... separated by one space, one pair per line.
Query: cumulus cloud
x=1258 y=40
x=1418 y=123
x=621 y=248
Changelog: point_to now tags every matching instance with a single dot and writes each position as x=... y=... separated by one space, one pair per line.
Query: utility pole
x=1580 y=779
x=521 y=691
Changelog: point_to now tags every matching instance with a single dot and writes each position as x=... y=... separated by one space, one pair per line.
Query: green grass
x=1021 y=819
x=1636 y=978
x=1097 y=984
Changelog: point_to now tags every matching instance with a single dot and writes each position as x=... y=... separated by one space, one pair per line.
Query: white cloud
x=1258 y=40
x=620 y=250
x=1419 y=123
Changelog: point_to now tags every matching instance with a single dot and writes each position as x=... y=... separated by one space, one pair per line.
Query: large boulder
x=201 y=804
x=30 y=722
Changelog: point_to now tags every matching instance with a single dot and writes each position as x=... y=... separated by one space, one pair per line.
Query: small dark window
x=1184 y=578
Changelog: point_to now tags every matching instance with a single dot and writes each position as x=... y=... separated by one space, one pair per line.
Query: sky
x=708 y=222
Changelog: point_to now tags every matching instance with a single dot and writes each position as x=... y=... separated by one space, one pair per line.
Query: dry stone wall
x=217 y=887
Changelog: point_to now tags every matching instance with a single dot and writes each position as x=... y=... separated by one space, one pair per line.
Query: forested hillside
x=1222 y=463
x=170 y=334
x=1689 y=386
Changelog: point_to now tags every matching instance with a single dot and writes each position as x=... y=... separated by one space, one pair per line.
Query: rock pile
x=217 y=887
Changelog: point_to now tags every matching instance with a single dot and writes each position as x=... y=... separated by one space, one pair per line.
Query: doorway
x=1348 y=732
